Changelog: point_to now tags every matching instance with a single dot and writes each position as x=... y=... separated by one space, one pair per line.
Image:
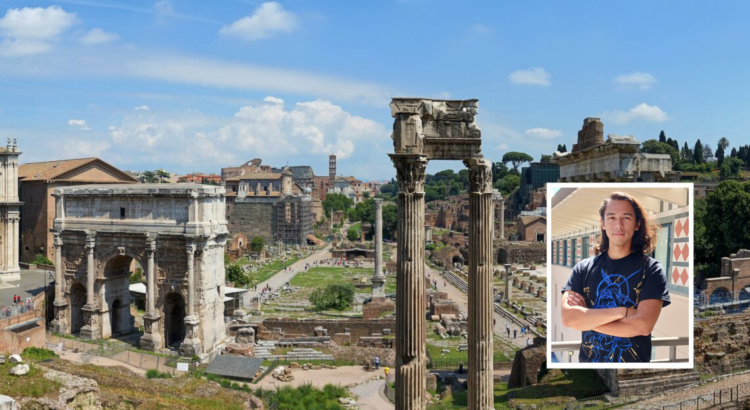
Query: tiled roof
x=526 y=220
x=51 y=170
x=235 y=367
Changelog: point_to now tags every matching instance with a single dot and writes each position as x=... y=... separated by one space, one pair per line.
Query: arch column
x=60 y=323
x=481 y=227
x=90 y=311
x=152 y=336
x=192 y=344
x=411 y=322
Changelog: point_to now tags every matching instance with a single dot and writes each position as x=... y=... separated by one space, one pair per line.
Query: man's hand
x=638 y=322
x=576 y=315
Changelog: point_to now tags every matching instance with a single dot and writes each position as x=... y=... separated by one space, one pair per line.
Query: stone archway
x=116 y=295
x=174 y=319
x=744 y=294
x=720 y=295
x=77 y=300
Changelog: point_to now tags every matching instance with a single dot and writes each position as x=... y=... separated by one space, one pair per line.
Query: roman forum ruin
x=427 y=129
x=175 y=232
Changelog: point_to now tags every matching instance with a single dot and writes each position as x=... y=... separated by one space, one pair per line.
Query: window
x=122 y=213
x=585 y=248
x=565 y=253
x=540 y=237
x=663 y=245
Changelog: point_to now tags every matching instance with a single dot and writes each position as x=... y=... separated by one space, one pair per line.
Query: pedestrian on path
x=386 y=370
x=377 y=362
x=515 y=331
x=528 y=342
x=507 y=329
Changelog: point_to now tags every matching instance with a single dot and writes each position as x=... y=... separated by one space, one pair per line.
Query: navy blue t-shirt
x=607 y=283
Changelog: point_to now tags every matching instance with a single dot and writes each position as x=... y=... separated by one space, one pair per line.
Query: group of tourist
x=20 y=305
x=524 y=331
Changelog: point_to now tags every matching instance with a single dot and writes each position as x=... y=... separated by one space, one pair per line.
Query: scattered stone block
x=431 y=381
x=20 y=370
x=15 y=359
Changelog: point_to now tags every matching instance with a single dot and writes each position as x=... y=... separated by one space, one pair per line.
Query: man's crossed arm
x=611 y=321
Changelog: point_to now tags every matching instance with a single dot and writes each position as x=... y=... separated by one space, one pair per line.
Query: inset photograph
x=620 y=275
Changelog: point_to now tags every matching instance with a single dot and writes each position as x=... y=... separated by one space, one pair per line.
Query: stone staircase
x=263 y=350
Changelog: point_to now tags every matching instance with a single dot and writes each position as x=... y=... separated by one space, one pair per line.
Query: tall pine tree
x=719 y=155
x=662 y=137
x=698 y=152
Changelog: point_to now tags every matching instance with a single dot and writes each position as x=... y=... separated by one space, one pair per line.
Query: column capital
x=480 y=175
x=410 y=170
x=190 y=248
x=90 y=242
x=150 y=246
x=378 y=201
x=57 y=239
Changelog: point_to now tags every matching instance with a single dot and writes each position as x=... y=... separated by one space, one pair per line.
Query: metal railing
x=671 y=342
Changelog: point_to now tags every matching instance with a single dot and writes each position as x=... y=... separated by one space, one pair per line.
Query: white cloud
x=641 y=112
x=142 y=108
x=97 y=36
x=639 y=80
x=273 y=100
x=502 y=147
x=268 y=19
x=79 y=125
x=544 y=133
x=31 y=30
x=270 y=131
x=244 y=76
x=532 y=76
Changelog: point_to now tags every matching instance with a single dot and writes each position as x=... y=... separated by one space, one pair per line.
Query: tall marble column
x=152 y=337
x=411 y=323
x=90 y=311
x=481 y=225
x=192 y=344
x=378 y=279
x=60 y=323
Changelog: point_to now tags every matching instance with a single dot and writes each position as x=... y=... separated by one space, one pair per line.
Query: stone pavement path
x=278 y=280
x=463 y=302
x=370 y=397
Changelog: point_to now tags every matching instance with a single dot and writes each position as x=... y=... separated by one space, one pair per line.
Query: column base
x=152 y=338
x=91 y=316
x=59 y=324
x=191 y=346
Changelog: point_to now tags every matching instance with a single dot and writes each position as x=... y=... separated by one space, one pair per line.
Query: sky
x=196 y=86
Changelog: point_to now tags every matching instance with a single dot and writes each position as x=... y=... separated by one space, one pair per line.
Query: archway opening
x=174 y=319
x=745 y=294
x=124 y=282
x=720 y=295
x=77 y=300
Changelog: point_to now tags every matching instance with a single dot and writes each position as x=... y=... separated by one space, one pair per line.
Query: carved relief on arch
x=74 y=258
x=171 y=259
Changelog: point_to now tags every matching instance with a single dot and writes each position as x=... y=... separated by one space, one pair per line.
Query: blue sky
x=194 y=86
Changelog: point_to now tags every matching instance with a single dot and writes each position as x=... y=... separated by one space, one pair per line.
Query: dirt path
x=342 y=375
x=98 y=361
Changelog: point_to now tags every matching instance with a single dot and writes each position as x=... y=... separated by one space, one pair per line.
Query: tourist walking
x=507 y=329
x=377 y=363
x=515 y=331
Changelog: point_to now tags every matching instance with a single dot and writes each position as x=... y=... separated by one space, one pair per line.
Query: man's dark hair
x=644 y=239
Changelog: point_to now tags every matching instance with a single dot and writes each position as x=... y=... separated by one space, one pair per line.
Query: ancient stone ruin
x=176 y=232
x=379 y=304
x=440 y=129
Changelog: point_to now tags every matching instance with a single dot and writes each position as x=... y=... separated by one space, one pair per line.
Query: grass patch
x=33 y=384
x=559 y=389
x=320 y=277
x=155 y=374
x=305 y=397
x=266 y=271
x=37 y=354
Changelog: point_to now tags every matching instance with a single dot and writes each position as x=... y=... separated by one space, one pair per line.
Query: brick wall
x=357 y=327
x=253 y=219
x=34 y=221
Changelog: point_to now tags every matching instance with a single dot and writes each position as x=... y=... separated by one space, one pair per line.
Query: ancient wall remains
x=357 y=327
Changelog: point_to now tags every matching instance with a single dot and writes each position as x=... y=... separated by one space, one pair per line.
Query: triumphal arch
x=438 y=129
x=175 y=232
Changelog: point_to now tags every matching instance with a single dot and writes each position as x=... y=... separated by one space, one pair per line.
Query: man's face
x=619 y=222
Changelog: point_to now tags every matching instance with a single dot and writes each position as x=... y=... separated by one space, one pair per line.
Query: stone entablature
x=176 y=233
x=616 y=159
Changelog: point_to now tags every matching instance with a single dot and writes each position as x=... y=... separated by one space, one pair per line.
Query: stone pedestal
x=411 y=323
x=481 y=226
x=191 y=346
x=152 y=337
x=60 y=323
x=91 y=317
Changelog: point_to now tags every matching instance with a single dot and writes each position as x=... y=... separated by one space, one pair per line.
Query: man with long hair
x=615 y=297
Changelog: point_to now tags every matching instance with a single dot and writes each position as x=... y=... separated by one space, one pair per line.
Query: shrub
x=235 y=274
x=256 y=244
x=155 y=374
x=37 y=353
x=42 y=260
x=339 y=296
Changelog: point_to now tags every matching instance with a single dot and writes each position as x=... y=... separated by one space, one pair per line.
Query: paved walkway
x=463 y=302
x=97 y=360
x=370 y=396
x=31 y=284
x=279 y=279
x=342 y=375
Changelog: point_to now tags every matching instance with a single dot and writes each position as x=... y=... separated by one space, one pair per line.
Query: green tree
x=149 y=177
x=662 y=137
x=516 y=159
x=734 y=153
x=257 y=243
x=545 y=158
x=720 y=155
x=726 y=214
x=338 y=296
x=656 y=147
x=508 y=184
x=40 y=259
x=353 y=233
x=723 y=143
x=162 y=174
x=235 y=275
x=698 y=152
x=363 y=211
x=336 y=202
x=564 y=148
x=390 y=221
x=366 y=194
x=730 y=167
